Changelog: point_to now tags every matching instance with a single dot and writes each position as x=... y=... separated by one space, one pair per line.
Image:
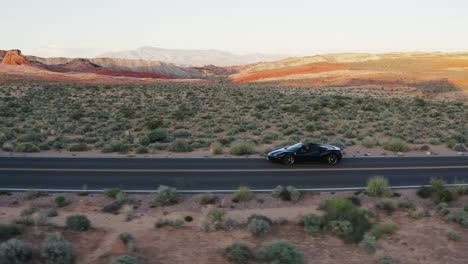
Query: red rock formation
x=14 y=57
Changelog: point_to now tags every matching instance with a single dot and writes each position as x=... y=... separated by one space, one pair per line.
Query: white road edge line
x=221 y=191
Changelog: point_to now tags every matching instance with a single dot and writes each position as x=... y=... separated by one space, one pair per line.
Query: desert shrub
x=280 y=252
x=313 y=223
x=368 y=243
x=259 y=225
x=355 y=200
x=396 y=145
x=388 y=260
x=61 y=201
x=345 y=210
x=128 y=240
x=166 y=195
x=418 y=213
x=458 y=216
x=51 y=212
x=289 y=193
x=126 y=259
x=238 y=253
x=121 y=196
x=180 y=145
x=15 y=251
x=378 y=186
x=39 y=218
x=167 y=222
x=141 y=150
x=424 y=192
x=157 y=135
x=387 y=205
x=29 y=211
x=8 y=231
x=444 y=196
x=244 y=194
x=451 y=143
x=380 y=230
x=112 y=192
x=216 y=148
x=341 y=228
x=31 y=195
x=78 y=147
x=368 y=213
x=369 y=142
x=112 y=207
x=9 y=146
x=154 y=123
x=406 y=204
x=206 y=198
x=57 y=250
x=242 y=148
x=453 y=236
x=78 y=222
x=215 y=220
x=460 y=147
x=27 y=147
x=438 y=184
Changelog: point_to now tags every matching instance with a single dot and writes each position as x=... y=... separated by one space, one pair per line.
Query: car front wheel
x=288 y=160
x=332 y=159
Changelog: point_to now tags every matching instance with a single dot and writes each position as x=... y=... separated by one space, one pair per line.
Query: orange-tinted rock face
x=14 y=57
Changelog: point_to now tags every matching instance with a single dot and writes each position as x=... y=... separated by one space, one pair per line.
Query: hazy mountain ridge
x=188 y=57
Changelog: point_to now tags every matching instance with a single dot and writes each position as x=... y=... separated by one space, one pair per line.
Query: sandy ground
x=416 y=241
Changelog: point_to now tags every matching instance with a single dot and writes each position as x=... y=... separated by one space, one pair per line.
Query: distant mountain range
x=185 y=57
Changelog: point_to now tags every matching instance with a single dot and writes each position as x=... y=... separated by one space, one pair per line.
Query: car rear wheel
x=288 y=160
x=332 y=159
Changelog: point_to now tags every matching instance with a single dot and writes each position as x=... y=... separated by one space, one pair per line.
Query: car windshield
x=295 y=147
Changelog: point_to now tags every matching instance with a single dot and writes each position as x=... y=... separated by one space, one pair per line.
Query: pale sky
x=87 y=28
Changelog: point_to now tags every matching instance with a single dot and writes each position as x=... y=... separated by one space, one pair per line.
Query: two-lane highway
x=221 y=173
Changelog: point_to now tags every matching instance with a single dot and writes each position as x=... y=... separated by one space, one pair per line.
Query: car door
x=313 y=153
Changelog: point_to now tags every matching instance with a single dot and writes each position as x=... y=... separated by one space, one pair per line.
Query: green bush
x=280 y=252
x=216 y=148
x=128 y=240
x=369 y=142
x=244 y=194
x=424 y=192
x=239 y=148
x=180 y=145
x=444 y=196
x=126 y=259
x=157 y=135
x=451 y=143
x=387 y=205
x=453 y=236
x=27 y=147
x=166 y=196
x=378 y=186
x=31 y=195
x=341 y=228
x=215 y=220
x=8 y=231
x=15 y=251
x=289 y=193
x=406 y=205
x=368 y=243
x=78 y=222
x=167 y=222
x=238 y=253
x=380 y=230
x=418 y=213
x=458 y=216
x=259 y=226
x=396 y=145
x=29 y=211
x=388 y=260
x=57 y=250
x=345 y=210
x=206 y=198
x=313 y=223
x=78 y=147
x=61 y=201
x=121 y=196
x=141 y=150
x=112 y=192
x=438 y=184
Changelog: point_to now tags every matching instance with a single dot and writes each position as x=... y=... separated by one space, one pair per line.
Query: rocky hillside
x=13 y=57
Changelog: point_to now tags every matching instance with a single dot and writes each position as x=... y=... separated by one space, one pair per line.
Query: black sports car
x=304 y=152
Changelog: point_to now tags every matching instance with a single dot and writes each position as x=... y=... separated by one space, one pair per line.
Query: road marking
x=236 y=170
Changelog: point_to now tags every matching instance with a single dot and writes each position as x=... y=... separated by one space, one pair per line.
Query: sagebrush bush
x=31 y=195
x=387 y=205
x=57 y=250
x=61 y=201
x=121 y=196
x=280 y=252
x=78 y=222
x=126 y=259
x=27 y=147
x=215 y=220
x=128 y=240
x=242 y=148
x=418 y=212
x=177 y=223
x=368 y=243
x=458 y=216
x=180 y=145
x=15 y=251
x=313 y=223
x=238 y=253
x=453 y=236
x=112 y=192
x=289 y=193
x=341 y=228
x=206 y=198
x=259 y=227
x=216 y=148
x=438 y=184
x=8 y=231
x=396 y=145
x=244 y=194
x=378 y=186
x=424 y=192
x=369 y=142
x=380 y=230
x=444 y=196
x=388 y=260
x=166 y=195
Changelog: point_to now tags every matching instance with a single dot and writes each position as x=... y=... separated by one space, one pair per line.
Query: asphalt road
x=221 y=173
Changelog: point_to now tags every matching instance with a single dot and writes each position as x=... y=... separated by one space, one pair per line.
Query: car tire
x=332 y=159
x=289 y=160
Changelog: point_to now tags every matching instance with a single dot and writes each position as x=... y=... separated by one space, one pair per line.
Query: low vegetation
x=280 y=252
x=244 y=194
x=15 y=251
x=78 y=222
x=378 y=186
x=166 y=195
x=289 y=193
x=238 y=253
x=57 y=250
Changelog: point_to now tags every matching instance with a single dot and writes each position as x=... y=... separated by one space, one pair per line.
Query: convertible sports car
x=304 y=152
